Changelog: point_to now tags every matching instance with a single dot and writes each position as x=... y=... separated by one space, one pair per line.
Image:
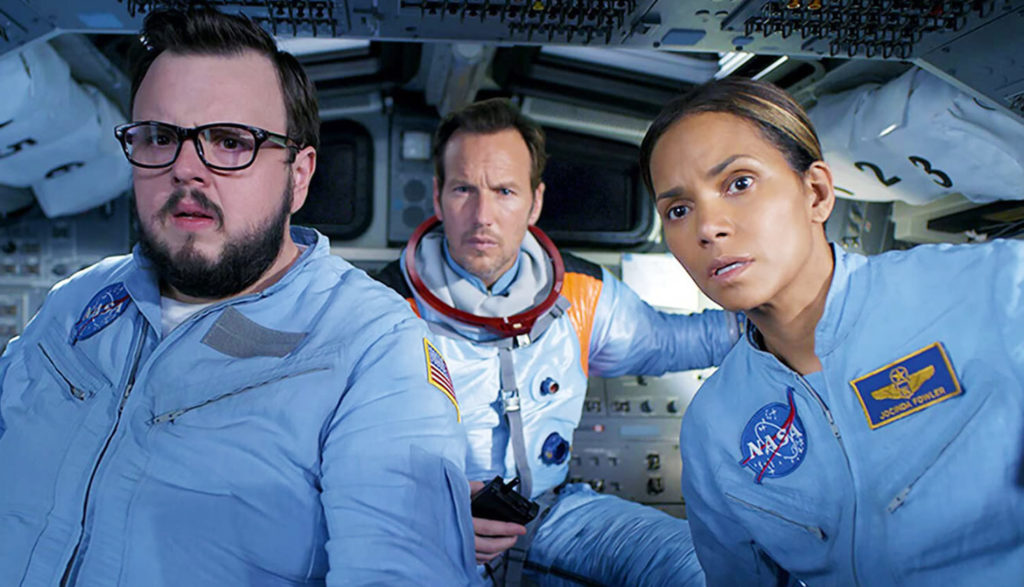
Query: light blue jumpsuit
x=287 y=437
x=602 y=537
x=901 y=462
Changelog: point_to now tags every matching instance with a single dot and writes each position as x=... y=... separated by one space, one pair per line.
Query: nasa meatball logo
x=773 y=443
x=103 y=308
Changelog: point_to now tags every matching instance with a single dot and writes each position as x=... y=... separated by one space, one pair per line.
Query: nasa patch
x=773 y=443
x=103 y=308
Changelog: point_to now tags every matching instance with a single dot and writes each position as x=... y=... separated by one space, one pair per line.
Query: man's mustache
x=200 y=198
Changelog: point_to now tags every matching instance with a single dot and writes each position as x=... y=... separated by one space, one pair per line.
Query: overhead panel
x=975 y=44
x=606 y=22
x=888 y=29
x=864 y=28
x=19 y=24
x=986 y=61
x=287 y=18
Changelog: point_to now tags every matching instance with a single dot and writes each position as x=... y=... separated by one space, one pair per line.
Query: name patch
x=438 y=376
x=103 y=308
x=773 y=442
x=908 y=385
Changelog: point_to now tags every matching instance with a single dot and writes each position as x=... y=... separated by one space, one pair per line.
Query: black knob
x=655 y=486
x=653 y=462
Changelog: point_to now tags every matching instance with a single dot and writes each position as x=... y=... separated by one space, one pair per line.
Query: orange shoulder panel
x=582 y=291
x=415 y=310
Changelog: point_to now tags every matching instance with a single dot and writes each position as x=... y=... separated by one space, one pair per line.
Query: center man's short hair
x=487 y=117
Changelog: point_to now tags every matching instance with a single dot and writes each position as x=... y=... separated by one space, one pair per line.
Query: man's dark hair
x=487 y=117
x=204 y=31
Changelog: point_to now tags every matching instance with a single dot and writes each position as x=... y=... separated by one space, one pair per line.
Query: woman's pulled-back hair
x=780 y=119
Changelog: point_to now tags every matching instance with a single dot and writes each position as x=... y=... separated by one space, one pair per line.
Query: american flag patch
x=437 y=374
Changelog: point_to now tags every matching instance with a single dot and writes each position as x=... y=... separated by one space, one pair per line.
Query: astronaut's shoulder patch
x=104 y=307
x=773 y=442
x=438 y=375
x=907 y=385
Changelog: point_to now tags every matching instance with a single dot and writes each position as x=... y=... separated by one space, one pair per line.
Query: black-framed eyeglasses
x=226 y=146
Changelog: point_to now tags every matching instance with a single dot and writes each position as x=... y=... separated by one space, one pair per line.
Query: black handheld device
x=499 y=501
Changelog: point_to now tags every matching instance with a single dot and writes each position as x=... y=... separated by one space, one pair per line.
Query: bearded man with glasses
x=230 y=404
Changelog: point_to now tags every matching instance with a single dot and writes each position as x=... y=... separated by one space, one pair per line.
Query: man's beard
x=241 y=263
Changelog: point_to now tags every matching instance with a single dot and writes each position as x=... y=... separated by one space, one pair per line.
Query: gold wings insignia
x=903 y=384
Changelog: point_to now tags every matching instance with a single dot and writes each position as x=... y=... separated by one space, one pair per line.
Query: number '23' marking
x=938 y=176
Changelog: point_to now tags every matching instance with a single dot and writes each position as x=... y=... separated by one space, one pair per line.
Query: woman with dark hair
x=869 y=428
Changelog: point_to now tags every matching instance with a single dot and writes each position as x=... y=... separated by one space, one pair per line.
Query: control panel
x=627 y=443
x=37 y=252
x=411 y=200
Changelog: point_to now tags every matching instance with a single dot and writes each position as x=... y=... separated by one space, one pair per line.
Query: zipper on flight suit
x=140 y=339
x=77 y=393
x=175 y=414
x=901 y=497
x=846 y=457
x=816 y=531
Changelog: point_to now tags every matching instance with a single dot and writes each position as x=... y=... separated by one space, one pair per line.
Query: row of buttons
x=28 y=247
x=655 y=485
x=623 y=406
x=30 y=268
x=594 y=406
x=653 y=461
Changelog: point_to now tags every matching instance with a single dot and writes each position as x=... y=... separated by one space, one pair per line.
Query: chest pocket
x=795 y=527
x=72 y=376
x=961 y=480
x=48 y=397
x=241 y=393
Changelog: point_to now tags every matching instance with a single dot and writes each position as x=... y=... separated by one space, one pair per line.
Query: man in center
x=522 y=325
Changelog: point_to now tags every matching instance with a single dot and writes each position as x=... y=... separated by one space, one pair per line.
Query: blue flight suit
x=901 y=462
x=293 y=436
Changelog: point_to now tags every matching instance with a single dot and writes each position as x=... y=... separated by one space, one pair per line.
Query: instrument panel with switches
x=36 y=252
x=627 y=443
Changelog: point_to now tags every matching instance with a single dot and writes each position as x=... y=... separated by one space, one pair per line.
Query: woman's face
x=739 y=219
